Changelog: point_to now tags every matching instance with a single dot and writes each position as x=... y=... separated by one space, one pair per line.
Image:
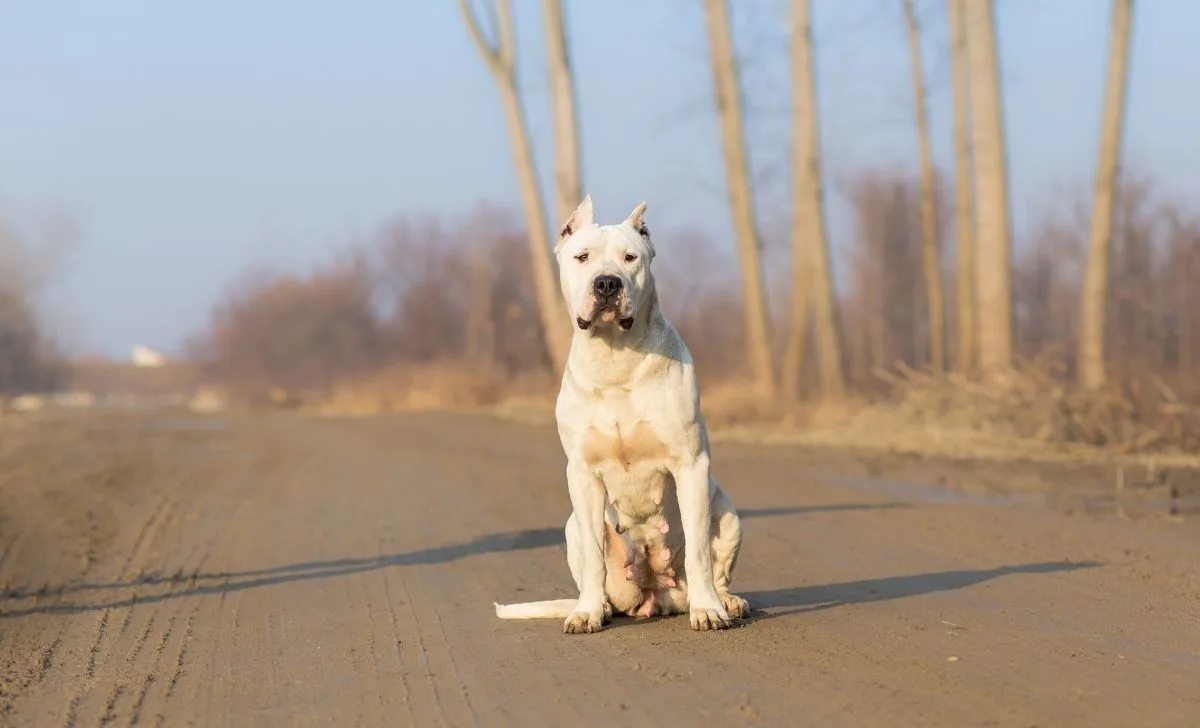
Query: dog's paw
x=737 y=607
x=608 y=611
x=706 y=619
x=583 y=623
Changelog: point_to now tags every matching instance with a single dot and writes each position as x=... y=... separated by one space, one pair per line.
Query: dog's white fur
x=637 y=447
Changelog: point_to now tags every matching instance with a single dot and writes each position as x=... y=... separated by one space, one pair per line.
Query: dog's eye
x=630 y=257
x=582 y=257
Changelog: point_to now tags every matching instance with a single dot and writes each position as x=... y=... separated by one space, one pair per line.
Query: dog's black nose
x=606 y=286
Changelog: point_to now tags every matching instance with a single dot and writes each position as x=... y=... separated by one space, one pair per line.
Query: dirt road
x=283 y=571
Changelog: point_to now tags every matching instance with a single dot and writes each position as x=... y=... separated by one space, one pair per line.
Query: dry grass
x=444 y=385
x=1032 y=415
x=107 y=377
x=1033 y=403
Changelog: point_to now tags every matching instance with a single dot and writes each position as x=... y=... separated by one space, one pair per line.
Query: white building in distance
x=144 y=356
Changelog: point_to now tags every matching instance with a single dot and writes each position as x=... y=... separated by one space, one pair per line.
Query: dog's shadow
x=773 y=603
x=149 y=588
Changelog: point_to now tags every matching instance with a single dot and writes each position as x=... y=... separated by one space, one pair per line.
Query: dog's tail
x=549 y=609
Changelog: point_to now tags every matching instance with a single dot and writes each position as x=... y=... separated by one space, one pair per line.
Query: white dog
x=651 y=532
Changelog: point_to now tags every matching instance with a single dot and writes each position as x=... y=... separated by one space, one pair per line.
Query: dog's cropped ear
x=581 y=218
x=635 y=219
x=637 y=222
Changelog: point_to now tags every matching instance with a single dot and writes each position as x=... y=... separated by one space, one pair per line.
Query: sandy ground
x=174 y=570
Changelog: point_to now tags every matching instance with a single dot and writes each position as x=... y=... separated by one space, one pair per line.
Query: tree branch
x=507 y=46
x=491 y=55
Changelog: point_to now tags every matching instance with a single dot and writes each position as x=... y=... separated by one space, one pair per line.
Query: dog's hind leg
x=726 y=544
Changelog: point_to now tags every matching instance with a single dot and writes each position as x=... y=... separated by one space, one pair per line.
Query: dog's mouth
x=604 y=314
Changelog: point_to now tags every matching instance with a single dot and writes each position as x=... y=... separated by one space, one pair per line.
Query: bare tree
x=1096 y=277
x=568 y=190
x=500 y=57
x=31 y=254
x=885 y=305
x=813 y=279
x=933 y=268
x=964 y=209
x=994 y=248
x=729 y=109
x=295 y=332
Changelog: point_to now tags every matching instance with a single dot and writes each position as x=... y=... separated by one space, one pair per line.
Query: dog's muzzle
x=606 y=292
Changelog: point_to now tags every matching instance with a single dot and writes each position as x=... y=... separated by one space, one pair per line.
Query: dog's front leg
x=587 y=500
x=695 y=510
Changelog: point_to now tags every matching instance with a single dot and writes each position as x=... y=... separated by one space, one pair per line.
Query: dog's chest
x=632 y=461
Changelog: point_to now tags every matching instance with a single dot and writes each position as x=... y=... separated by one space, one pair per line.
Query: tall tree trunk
x=929 y=233
x=993 y=243
x=729 y=109
x=812 y=284
x=964 y=210
x=568 y=190
x=1093 y=307
x=500 y=59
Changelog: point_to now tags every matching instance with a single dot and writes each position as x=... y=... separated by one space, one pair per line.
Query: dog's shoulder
x=665 y=338
x=667 y=359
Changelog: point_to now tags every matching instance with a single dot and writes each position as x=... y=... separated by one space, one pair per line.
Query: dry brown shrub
x=459 y=292
x=33 y=243
x=28 y=361
x=1036 y=402
x=293 y=332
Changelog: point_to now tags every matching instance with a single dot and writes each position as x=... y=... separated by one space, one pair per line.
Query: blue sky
x=192 y=140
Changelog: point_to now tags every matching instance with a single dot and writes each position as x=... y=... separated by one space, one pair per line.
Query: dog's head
x=605 y=269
